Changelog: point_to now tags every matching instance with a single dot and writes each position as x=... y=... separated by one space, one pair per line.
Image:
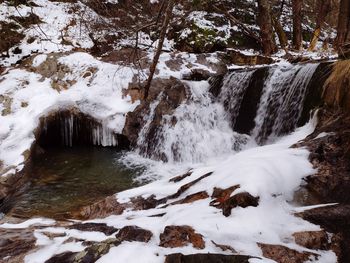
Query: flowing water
x=65 y=179
x=200 y=129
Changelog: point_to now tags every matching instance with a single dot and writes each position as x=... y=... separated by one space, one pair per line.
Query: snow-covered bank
x=271 y=172
x=86 y=84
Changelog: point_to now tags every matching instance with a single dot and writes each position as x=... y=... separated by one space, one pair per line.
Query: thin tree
x=323 y=9
x=297 y=30
x=167 y=17
x=266 y=27
x=343 y=24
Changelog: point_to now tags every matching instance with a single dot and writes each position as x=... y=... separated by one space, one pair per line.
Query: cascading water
x=282 y=100
x=196 y=131
x=202 y=127
x=233 y=88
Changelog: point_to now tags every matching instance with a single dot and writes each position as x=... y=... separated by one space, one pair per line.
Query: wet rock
x=179 y=236
x=206 y=258
x=106 y=207
x=99 y=227
x=134 y=233
x=15 y=243
x=312 y=239
x=282 y=254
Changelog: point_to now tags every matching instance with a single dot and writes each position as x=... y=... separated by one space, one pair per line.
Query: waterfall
x=196 y=131
x=202 y=127
x=233 y=88
x=282 y=100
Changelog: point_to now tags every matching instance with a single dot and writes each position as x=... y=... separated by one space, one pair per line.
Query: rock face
x=179 y=236
x=329 y=148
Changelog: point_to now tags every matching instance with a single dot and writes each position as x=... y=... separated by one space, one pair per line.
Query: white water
x=201 y=130
x=282 y=98
x=234 y=86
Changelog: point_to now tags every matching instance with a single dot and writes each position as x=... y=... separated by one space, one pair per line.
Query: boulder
x=282 y=254
x=134 y=233
x=312 y=239
x=179 y=236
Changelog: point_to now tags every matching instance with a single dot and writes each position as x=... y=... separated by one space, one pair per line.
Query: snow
x=98 y=95
x=30 y=222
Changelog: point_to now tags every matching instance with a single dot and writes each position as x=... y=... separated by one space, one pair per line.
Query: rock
x=184 y=188
x=180 y=177
x=134 y=233
x=282 y=254
x=330 y=157
x=95 y=251
x=140 y=203
x=224 y=201
x=104 y=208
x=206 y=258
x=238 y=58
x=225 y=247
x=65 y=257
x=192 y=198
x=99 y=227
x=312 y=239
x=179 y=236
x=16 y=243
x=221 y=196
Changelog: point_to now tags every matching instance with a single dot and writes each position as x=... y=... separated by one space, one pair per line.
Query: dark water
x=64 y=179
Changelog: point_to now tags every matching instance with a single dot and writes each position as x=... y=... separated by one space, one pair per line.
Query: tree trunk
x=297 y=31
x=266 y=29
x=323 y=9
x=280 y=33
x=167 y=18
x=343 y=23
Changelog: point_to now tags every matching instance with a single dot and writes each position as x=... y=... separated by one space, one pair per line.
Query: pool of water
x=65 y=179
